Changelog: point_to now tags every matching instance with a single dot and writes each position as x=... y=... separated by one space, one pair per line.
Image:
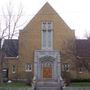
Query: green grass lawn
x=17 y=84
x=22 y=84
x=80 y=84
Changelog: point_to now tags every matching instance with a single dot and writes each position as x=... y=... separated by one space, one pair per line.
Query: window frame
x=13 y=68
x=27 y=67
x=66 y=67
x=47 y=29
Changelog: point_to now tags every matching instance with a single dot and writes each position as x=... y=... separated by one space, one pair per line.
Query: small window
x=14 y=69
x=66 y=67
x=80 y=70
x=28 y=67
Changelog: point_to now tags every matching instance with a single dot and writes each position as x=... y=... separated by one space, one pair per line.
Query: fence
x=76 y=88
x=15 y=88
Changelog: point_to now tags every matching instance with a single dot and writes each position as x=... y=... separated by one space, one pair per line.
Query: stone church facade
x=45 y=49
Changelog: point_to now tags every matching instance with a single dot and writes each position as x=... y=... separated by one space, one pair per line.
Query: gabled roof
x=10 y=47
x=47 y=11
x=82 y=48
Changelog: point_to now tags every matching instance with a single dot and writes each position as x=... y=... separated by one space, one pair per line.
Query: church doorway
x=47 y=71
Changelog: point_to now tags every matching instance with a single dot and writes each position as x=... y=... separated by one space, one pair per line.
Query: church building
x=45 y=49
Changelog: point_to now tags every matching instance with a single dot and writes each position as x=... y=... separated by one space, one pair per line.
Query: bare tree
x=8 y=29
x=83 y=62
x=10 y=22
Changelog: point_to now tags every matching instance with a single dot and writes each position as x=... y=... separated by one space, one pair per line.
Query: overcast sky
x=76 y=13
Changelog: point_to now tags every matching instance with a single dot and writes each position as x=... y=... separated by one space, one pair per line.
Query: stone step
x=48 y=84
x=48 y=88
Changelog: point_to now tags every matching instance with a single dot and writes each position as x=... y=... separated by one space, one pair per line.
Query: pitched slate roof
x=10 y=47
x=83 y=48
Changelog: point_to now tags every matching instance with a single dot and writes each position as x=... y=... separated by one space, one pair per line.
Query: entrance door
x=47 y=70
x=5 y=75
